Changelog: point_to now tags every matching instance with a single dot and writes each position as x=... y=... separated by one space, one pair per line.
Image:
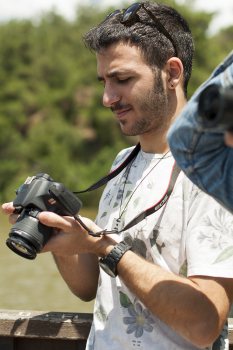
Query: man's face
x=132 y=90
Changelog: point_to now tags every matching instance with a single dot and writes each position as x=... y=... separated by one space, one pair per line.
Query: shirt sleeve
x=209 y=239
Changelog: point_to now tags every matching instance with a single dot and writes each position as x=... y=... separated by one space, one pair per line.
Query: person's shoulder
x=201 y=202
x=121 y=156
x=192 y=188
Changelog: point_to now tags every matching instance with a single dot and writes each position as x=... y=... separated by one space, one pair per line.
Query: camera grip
x=68 y=201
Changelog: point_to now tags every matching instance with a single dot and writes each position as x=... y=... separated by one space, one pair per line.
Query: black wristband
x=110 y=261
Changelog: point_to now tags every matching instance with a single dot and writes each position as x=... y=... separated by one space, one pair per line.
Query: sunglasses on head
x=130 y=16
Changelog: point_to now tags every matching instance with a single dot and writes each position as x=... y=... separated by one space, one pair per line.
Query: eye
x=123 y=81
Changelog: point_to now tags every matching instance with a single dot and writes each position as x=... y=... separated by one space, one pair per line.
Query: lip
x=121 y=113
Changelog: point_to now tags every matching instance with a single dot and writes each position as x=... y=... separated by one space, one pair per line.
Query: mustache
x=119 y=106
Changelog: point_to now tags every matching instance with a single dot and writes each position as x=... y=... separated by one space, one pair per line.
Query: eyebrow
x=114 y=74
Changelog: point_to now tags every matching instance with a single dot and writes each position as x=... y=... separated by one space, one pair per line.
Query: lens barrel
x=216 y=106
x=20 y=246
x=28 y=236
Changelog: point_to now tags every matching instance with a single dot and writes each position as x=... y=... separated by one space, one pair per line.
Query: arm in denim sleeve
x=200 y=151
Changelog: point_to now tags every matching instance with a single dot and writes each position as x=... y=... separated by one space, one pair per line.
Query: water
x=33 y=284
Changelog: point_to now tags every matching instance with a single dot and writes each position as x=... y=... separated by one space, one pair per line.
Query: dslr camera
x=216 y=107
x=38 y=193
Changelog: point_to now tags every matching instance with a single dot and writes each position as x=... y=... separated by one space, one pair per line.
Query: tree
x=51 y=115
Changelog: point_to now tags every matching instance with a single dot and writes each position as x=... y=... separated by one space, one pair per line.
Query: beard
x=153 y=107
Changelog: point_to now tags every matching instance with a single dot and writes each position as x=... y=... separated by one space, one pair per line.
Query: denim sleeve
x=200 y=151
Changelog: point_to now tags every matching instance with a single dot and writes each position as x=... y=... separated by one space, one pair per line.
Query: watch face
x=107 y=269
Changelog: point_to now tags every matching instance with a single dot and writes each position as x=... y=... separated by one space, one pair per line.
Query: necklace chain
x=126 y=178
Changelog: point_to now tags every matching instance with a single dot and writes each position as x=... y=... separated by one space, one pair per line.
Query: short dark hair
x=155 y=47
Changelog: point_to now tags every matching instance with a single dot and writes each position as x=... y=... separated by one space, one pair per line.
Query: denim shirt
x=199 y=150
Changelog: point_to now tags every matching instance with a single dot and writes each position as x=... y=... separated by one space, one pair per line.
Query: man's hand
x=69 y=237
x=8 y=209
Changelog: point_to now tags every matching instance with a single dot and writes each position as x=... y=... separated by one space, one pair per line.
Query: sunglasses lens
x=130 y=12
x=114 y=13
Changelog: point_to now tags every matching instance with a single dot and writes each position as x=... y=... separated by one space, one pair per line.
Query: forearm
x=178 y=302
x=80 y=272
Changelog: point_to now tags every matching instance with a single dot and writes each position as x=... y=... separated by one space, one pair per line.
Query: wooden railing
x=30 y=330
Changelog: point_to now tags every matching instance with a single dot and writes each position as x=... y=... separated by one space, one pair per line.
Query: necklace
x=117 y=222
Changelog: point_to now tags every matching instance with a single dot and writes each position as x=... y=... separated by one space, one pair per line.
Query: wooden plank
x=52 y=329
x=6 y=343
x=48 y=344
x=53 y=325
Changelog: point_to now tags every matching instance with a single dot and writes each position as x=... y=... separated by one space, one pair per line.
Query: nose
x=110 y=96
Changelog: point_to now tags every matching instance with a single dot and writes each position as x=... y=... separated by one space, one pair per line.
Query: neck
x=154 y=142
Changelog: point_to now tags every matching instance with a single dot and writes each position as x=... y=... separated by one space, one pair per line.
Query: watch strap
x=112 y=259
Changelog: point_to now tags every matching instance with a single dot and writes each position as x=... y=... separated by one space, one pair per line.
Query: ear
x=174 y=69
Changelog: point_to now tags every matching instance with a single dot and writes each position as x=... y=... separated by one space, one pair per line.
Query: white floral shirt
x=190 y=235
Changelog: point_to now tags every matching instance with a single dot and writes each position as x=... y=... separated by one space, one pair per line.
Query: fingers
x=70 y=237
x=13 y=218
x=66 y=223
x=90 y=224
x=8 y=208
x=53 y=220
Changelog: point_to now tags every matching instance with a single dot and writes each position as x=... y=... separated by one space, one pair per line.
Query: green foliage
x=51 y=115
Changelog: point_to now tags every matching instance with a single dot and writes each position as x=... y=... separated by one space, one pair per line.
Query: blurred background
x=52 y=119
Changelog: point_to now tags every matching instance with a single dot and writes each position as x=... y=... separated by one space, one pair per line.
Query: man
x=201 y=146
x=162 y=282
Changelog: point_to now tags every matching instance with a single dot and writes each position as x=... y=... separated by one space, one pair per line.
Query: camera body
x=38 y=193
x=216 y=107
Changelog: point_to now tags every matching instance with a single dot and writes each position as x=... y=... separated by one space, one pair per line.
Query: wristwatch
x=110 y=261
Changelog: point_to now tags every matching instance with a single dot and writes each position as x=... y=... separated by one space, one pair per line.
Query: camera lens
x=215 y=107
x=21 y=247
x=209 y=103
x=28 y=236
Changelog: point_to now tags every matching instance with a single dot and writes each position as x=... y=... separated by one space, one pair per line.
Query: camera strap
x=141 y=216
x=113 y=173
x=174 y=174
